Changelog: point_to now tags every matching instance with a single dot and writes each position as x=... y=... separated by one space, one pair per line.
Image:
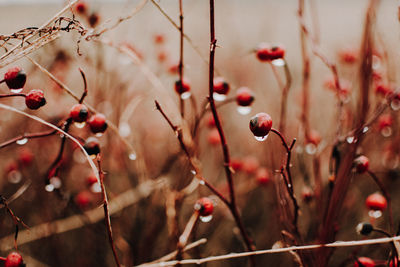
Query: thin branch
x=180 y=66
x=28 y=136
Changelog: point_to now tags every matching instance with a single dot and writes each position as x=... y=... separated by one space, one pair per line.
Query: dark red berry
x=364 y=228
x=261 y=124
x=204 y=206
x=361 y=164
x=97 y=123
x=79 y=113
x=35 y=99
x=92 y=146
x=276 y=52
x=376 y=202
x=15 y=78
x=14 y=259
x=244 y=96
x=183 y=87
x=94 y=19
x=267 y=53
x=81 y=7
x=307 y=194
x=221 y=86
x=364 y=262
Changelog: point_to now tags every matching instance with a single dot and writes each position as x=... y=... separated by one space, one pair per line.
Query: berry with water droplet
x=265 y=52
x=244 y=97
x=361 y=163
x=364 y=228
x=260 y=124
x=376 y=202
x=98 y=123
x=15 y=78
x=35 y=99
x=204 y=206
x=14 y=259
x=221 y=86
x=182 y=87
x=79 y=113
x=92 y=146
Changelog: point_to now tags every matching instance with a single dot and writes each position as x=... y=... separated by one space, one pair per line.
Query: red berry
x=162 y=56
x=307 y=194
x=261 y=124
x=97 y=123
x=362 y=164
x=81 y=7
x=94 y=19
x=182 y=88
x=244 y=96
x=92 y=146
x=92 y=179
x=213 y=137
x=267 y=53
x=35 y=99
x=221 y=86
x=262 y=176
x=383 y=89
x=79 y=113
x=384 y=121
x=277 y=52
x=204 y=206
x=174 y=68
x=394 y=263
x=14 y=259
x=348 y=56
x=314 y=138
x=236 y=164
x=376 y=202
x=25 y=156
x=83 y=199
x=250 y=165
x=366 y=262
x=159 y=38
x=210 y=121
x=15 y=78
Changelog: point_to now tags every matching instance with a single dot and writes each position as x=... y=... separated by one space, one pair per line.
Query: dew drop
x=55 y=182
x=193 y=172
x=124 y=129
x=386 y=131
x=62 y=135
x=375 y=213
x=185 y=95
x=350 y=139
x=311 y=149
x=365 y=129
x=261 y=138
x=16 y=91
x=219 y=97
x=395 y=104
x=132 y=156
x=14 y=177
x=22 y=141
x=95 y=188
x=206 y=218
x=202 y=182
x=278 y=62
x=49 y=188
x=79 y=125
x=243 y=110
x=376 y=62
x=99 y=134
x=93 y=157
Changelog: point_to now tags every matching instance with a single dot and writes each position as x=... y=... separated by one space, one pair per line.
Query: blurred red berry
x=261 y=124
x=348 y=55
x=361 y=164
x=210 y=121
x=250 y=164
x=92 y=179
x=384 y=121
x=213 y=137
x=162 y=56
x=307 y=194
x=314 y=137
x=79 y=113
x=25 y=156
x=221 y=86
x=376 y=202
x=94 y=19
x=81 y=7
x=159 y=38
x=98 y=123
x=204 y=206
x=365 y=262
x=15 y=78
x=83 y=199
x=383 y=89
x=267 y=53
x=244 y=96
x=236 y=164
x=14 y=259
x=35 y=99
x=183 y=87
x=11 y=166
x=92 y=146
x=173 y=68
x=263 y=176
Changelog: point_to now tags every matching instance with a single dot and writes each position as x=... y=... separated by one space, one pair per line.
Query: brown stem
x=84 y=86
x=11 y=95
x=180 y=66
x=28 y=136
x=107 y=219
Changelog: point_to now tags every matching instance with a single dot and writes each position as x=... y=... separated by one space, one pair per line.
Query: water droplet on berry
x=365 y=129
x=79 y=125
x=395 y=104
x=185 y=95
x=124 y=129
x=193 y=172
x=219 y=97
x=16 y=91
x=311 y=149
x=95 y=188
x=261 y=138
x=99 y=134
x=278 y=62
x=55 y=182
x=350 y=139
x=206 y=218
x=375 y=213
x=22 y=141
x=14 y=177
x=132 y=156
x=49 y=188
x=243 y=110
x=386 y=131
x=202 y=182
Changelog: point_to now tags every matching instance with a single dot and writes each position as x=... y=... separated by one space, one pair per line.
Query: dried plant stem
x=107 y=219
x=180 y=66
x=387 y=196
x=188 y=230
x=12 y=95
x=28 y=136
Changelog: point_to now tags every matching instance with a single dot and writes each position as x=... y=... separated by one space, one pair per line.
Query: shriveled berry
x=261 y=124
x=244 y=97
x=221 y=86
x=14 y=259
x=92 y=146
x=376 y=202
x=364 y=262
x=79 y=113
x=15 y=78
x=364 y=228
x=35 y=99
x=182 y=87
x=98 y=123
x=361 y=164
x=263 y=176
x=204 y=206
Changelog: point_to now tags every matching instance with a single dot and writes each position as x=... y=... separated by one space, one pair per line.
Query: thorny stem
x=180 y=66
x=387 y=196
x=232 y=206
x=28 y=136
x=107 y=219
